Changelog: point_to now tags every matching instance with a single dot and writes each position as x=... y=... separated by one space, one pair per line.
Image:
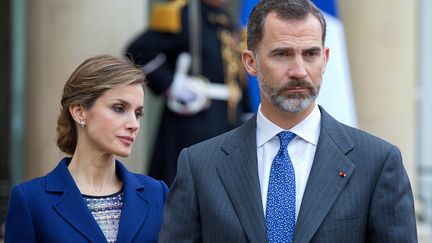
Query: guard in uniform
x=201 y=86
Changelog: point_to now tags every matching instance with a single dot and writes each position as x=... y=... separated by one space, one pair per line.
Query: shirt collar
x=308 y=129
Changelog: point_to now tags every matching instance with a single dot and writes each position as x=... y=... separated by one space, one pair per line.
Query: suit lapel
x=74 y=210
x=71 y=206
x=325 y=182
x=239 y=174
x=135 y=205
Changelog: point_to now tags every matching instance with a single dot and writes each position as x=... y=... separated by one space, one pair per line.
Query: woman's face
x=112 y=123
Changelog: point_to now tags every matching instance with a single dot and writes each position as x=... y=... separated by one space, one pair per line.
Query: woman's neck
x=96 y=175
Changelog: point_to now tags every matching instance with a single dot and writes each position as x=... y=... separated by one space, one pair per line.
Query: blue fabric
x=253 y=88
x=281 y=196
x=245 y=10
x=52 y=209
x=328 y=6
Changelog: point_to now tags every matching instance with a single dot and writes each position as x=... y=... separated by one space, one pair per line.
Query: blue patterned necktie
x=281 y=195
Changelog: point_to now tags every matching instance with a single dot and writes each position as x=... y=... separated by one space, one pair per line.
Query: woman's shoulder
x=32 y=183
x=152 y=188
x=150 y=181
x=32 y=188
x=57 y=176
x=137 y=180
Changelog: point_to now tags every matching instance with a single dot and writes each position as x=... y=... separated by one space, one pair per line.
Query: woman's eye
x=138 y=114
x=118 y=108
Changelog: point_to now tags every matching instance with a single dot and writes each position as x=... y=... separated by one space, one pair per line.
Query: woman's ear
x=249 y=62
x=78 y=113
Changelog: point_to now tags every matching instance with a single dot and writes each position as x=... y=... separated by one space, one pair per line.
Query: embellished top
x=106 y=210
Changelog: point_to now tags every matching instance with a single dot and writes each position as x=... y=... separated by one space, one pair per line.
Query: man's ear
x=249 y=62
x=326 y=59
x=78 y=113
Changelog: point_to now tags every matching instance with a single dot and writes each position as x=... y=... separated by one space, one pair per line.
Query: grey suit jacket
x=216 y=194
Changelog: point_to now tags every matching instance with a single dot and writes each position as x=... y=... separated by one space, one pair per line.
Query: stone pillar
x=381 y=39
x=62 y=34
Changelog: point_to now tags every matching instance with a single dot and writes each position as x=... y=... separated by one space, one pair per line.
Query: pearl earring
x=82 y=124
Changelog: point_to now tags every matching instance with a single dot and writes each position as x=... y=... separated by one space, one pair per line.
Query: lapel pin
x=342 y=174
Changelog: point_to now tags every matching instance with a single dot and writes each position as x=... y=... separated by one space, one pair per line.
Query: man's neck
x=284 y=119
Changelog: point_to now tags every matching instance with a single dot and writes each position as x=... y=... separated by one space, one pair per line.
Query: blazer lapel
x=71 y=206
x=325 y=181
x=135 y=205
x=239 y=174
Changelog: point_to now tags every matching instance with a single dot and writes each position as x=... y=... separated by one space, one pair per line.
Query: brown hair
x=86 y=84
x=285 y=9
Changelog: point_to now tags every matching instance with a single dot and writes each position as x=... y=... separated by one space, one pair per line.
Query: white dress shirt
x=301 y=151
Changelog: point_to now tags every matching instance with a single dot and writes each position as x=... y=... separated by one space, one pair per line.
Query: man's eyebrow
x=313 y=49
x=290 y=49
x=281 y=49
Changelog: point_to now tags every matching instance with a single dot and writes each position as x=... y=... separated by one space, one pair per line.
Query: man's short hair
x=284 y=9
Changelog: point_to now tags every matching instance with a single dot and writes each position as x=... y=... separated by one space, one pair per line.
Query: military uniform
x=156 y=50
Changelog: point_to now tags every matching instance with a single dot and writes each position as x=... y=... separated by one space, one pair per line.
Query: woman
x=91 y=196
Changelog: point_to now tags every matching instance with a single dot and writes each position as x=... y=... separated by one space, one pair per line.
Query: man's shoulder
x=338 y=130
x=363 y=136
x=216 y=141
x=224 y=143
x=365 y=148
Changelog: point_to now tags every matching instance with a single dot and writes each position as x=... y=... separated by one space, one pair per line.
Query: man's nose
x=297 y=69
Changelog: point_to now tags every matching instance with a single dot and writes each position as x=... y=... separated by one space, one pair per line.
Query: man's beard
x=294 y=102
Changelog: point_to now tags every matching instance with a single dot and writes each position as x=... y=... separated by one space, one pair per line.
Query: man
x=203 y=97
x=339 y=184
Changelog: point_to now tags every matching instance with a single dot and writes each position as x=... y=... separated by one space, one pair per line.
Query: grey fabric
x=216 y=194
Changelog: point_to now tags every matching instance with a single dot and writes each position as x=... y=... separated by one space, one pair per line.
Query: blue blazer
x=52 y=209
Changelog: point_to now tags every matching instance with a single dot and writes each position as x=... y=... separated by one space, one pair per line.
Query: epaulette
x=166 y=17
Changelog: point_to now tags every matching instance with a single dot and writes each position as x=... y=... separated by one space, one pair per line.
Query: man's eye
x=282 y=54
x=311 y=54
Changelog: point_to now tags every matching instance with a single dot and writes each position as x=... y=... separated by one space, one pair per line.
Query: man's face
x=216 y=3
x=289 y=63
